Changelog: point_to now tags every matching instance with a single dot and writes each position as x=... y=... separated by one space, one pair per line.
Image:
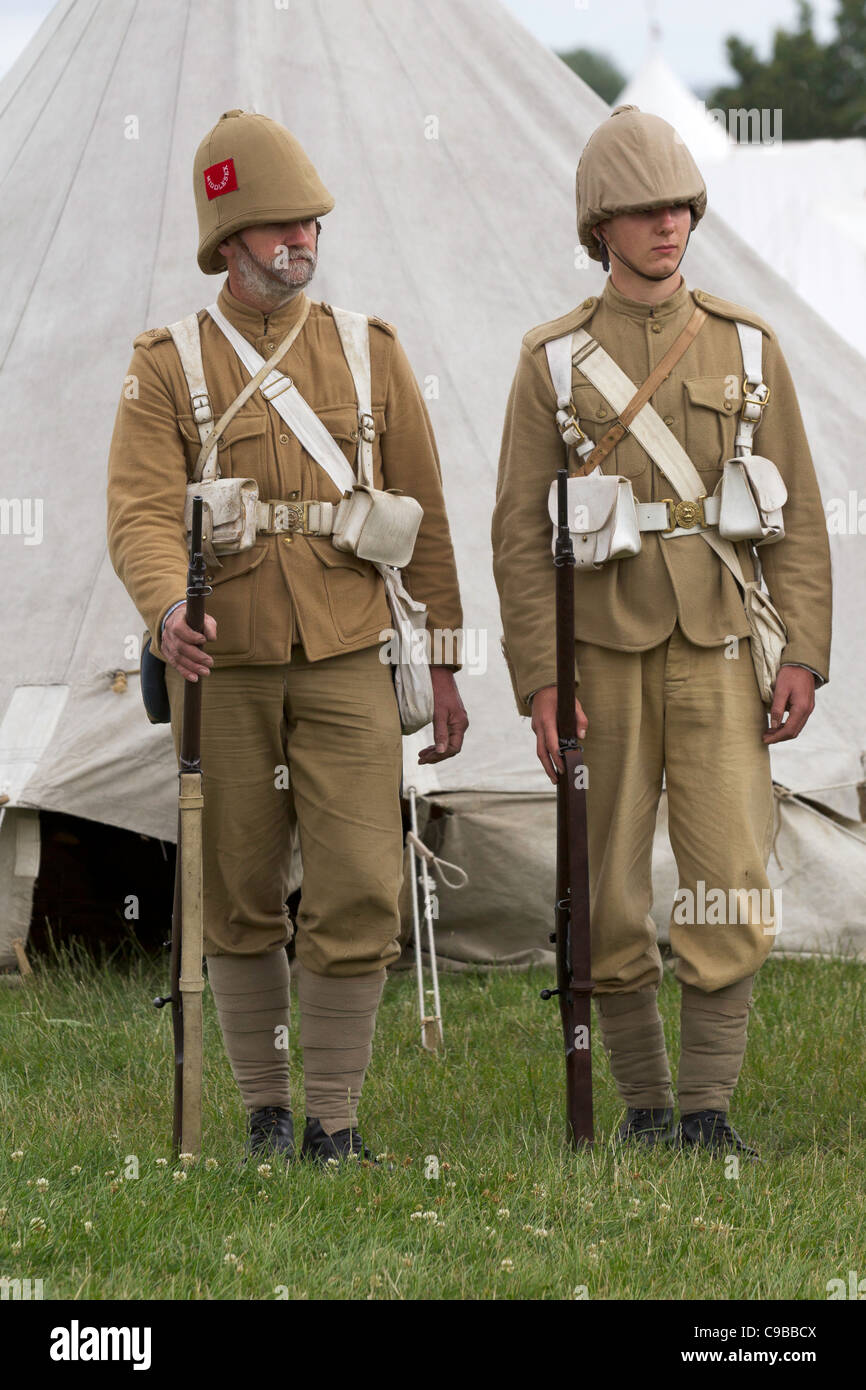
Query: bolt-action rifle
x=187 y=981
x=572 y=937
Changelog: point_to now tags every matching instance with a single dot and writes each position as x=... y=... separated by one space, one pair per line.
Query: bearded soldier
x=295 y=679
x=665 y=681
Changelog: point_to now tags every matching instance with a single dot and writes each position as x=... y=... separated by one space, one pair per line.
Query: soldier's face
x=653 y=242
x=283 y=253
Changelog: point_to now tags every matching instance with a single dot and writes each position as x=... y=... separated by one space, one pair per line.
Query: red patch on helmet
x=220 y=179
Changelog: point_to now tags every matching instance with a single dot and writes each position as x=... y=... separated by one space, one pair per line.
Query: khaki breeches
x=334 y=725
x=695 y=715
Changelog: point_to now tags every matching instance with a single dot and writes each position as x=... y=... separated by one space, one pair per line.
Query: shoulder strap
x=354 y=331
x=755 y=392
x=187 y=339
x=281 y=392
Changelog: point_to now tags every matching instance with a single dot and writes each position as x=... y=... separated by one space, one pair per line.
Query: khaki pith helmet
x=634 y=161
x=248 y=170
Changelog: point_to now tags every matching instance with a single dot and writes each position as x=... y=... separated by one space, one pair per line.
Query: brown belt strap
x=660 y=373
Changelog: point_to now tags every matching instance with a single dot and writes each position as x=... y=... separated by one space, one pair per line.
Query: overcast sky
x=693 y=31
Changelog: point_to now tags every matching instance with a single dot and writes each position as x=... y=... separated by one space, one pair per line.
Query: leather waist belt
x=305 y=517
x=678 y=518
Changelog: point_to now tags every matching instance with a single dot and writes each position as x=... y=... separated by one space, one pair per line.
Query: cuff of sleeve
x=819 y=679
x=156 y=629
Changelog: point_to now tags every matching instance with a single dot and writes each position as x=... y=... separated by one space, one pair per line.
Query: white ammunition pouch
x=378 y=526
x=229 y=504
x=751 y=495
x=602 y=518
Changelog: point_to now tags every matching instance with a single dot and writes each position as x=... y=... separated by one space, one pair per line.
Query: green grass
x=86 y=1083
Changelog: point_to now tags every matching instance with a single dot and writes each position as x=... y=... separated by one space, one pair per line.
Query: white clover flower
x=263 y=1194
x=264 y=1170
x=541 y=1232
x=186 y=1159
x=507 y=1265
x=230 y=1259
x=76 y=1168
x=211 y=1164
x=179 y=1175
x=665 y=1206
x=332 y=1162
x=18 y=1154
x=111 y=1173
x=42 y=1184
x=88 y=1227
x=503 y=1213
x=161 y=1162
x=414 y=1216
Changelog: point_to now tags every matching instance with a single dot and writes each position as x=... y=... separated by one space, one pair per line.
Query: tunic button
x=669 y=419
x=272 y=347
x=601 y=412
x=728 y=405
x=284 y=439
x=656 y=327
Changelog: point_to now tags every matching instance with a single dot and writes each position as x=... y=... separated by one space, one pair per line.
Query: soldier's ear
x=318 y=229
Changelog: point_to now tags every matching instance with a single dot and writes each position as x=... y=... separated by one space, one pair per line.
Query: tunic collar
x=253 y=323
x=636 y=309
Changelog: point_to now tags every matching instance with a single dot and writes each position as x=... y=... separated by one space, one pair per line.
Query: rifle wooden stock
x=187 y=980
x=572 y=934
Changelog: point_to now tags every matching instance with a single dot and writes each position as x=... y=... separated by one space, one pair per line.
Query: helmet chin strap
x=642 y=273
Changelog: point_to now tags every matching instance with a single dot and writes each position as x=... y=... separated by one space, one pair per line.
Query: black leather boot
x=709 y=1129
x=271 y=1133
x=648 y=1127
x=344 y=1143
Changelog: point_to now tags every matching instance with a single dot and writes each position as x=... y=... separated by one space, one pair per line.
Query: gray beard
x=278 y=284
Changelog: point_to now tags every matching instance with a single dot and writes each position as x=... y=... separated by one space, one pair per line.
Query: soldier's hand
x=450 y=720
x=546 y=732
x=182 y=646
x=794 y=692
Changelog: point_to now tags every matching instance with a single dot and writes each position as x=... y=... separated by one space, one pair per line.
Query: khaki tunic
x=634 y=604
x=286 y=588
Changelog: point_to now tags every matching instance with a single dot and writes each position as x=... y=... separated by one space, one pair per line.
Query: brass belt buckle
x=288 y=516
x=684 y=513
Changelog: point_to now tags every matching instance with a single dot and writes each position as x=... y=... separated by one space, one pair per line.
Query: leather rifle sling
x=660 y=373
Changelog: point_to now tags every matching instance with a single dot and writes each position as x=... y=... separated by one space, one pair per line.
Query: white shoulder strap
x=755 y=392
x=652 y=434
x=187 y=340
x=354 y=331
x=280 y=392
x=559 y=352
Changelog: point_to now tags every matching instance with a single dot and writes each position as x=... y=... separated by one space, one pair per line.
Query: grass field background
x=513 y=1213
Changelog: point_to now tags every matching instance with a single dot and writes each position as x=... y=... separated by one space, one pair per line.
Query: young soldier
x=662 y=658
x=291 y=649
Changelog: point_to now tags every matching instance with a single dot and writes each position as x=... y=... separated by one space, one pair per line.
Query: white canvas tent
x=449 y=137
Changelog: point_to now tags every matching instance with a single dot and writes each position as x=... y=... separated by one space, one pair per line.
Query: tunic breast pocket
x=341 y=421
x=713 y=406
x=595 y=418
x=240 y=448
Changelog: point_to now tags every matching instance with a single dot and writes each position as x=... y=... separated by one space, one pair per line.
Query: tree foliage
x=819 y=88
x=597 y=71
